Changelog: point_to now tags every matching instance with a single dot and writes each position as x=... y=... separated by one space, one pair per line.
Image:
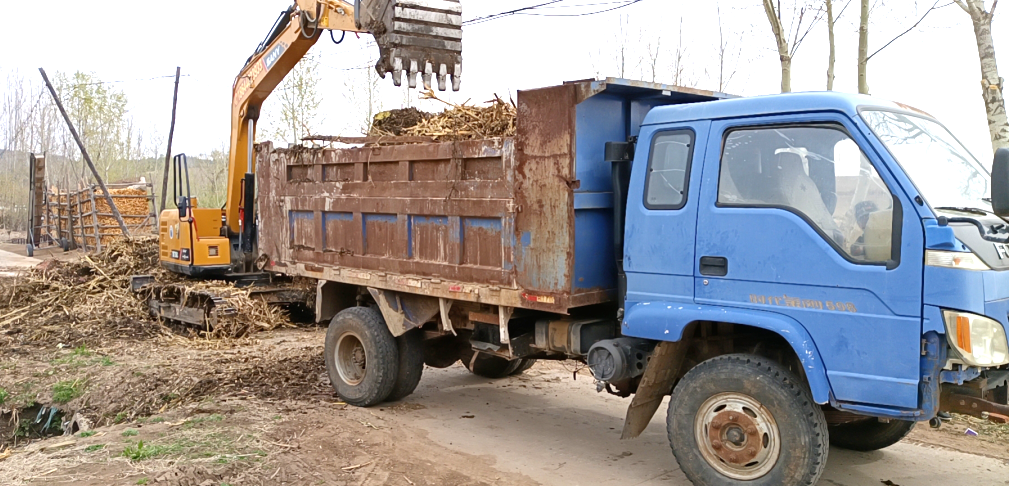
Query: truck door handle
x=714 y=266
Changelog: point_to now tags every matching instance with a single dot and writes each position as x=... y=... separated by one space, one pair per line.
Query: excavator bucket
x=416 y=38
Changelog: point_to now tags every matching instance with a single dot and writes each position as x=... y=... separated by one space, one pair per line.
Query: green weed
x=81 y=350
x=196 y=421
x=141 y=451
x=87 y=433
x=142 y=481
x=106 y=361
x=66 y=391
x=130 y=432
x=3 y=396
x=93 y=448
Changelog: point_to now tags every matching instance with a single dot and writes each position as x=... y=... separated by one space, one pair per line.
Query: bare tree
x=863 y=48
x=654 y=53
x=725 y=73
x=679 y=60
x=830 y=41
x=805 y=15
x=991 y=82
x=863 y=41
x=298 y=100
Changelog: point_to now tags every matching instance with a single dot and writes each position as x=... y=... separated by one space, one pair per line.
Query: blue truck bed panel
x=524 y=221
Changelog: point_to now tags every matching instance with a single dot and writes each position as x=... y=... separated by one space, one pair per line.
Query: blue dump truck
x=794 y=270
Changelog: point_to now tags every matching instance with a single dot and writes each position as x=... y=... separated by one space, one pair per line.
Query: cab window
x=668 y=170
x=820 y=174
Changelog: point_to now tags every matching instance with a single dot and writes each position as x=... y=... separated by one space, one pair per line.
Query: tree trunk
x=779 y=37
x=863 y=48
x=830 y=41
x=991 y=82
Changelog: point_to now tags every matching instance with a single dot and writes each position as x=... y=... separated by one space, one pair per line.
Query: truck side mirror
x=1000 y=183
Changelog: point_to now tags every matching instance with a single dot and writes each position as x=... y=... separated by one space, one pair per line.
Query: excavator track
x=190 y=307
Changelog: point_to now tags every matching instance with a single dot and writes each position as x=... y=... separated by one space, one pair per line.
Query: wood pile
x=89 y=300
x=458 y=122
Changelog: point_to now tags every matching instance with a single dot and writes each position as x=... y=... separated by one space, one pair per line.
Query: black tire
x=65 y=245
x=490 y=366
x=30 y=250
x=411 y=364
x=869 y=435
x=523 y=366
x=362 y=359
x=741 y=398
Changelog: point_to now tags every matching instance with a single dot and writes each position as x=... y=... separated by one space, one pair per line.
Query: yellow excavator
x=416 y=38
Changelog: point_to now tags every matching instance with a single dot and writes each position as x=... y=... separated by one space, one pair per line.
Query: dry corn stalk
x=458 y=122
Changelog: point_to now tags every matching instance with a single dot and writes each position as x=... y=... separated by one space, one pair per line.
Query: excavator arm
x=415 y=38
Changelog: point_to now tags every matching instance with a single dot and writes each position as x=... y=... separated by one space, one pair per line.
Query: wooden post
x=87 y=158
x=80 y=220
x=171 y=132
x=94 y=218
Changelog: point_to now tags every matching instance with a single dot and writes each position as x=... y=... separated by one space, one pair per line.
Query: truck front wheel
x=742 y=419
x=869 y=435
x=362 y=358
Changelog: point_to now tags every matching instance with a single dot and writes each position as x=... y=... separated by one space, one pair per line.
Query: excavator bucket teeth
x=416 y=38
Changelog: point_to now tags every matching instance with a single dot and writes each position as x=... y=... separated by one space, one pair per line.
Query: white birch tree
x=991 y=82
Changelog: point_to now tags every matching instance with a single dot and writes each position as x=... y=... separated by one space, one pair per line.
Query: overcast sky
x=935 y=67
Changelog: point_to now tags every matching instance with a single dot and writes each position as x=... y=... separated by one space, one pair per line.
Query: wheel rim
x=737 y=436
x=351 y=359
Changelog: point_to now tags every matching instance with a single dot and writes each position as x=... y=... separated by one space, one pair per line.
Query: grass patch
x=141 y=451
x=106 y=361
x=120 y=417
x=209 y=418
x=93 y=448
x=66 y=391
x=87 y=433
x=143 y=481
x=81 y=350
x=3 y=396
x=155 y=420
x=130 y=432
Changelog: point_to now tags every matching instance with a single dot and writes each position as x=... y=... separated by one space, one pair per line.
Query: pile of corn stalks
x=458 y=122
x=91 y=299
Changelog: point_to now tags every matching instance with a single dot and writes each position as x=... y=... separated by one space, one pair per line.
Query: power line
x=585 y=14
x=552 y=5
x=480 y=20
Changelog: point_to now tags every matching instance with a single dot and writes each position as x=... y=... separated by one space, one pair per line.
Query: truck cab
x=848 y=239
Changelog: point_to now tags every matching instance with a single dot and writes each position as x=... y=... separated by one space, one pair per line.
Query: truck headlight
x=954 y=259
x=980 y=341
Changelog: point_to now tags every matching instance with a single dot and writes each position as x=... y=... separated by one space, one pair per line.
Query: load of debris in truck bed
x=457 y=122
x=65 y=302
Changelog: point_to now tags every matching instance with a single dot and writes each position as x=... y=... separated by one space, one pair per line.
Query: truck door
x=798 y=217
x=662 y=213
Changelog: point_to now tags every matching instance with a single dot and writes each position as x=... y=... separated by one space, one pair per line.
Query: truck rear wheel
x=362 y=358
x=741 y=419
x=869 y=435
x=411 y=364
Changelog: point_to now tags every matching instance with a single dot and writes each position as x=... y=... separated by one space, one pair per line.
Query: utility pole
x=171 y=132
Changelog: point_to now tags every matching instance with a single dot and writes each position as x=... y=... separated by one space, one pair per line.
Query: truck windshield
x=940 y=167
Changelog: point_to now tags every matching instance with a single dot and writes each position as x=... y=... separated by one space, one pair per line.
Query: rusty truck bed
x=519 y=222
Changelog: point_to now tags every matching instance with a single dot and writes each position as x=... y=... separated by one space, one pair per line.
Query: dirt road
x=264 y=414
x=558 y=431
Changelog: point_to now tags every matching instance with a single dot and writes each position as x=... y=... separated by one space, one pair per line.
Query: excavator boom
x=416 y=39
